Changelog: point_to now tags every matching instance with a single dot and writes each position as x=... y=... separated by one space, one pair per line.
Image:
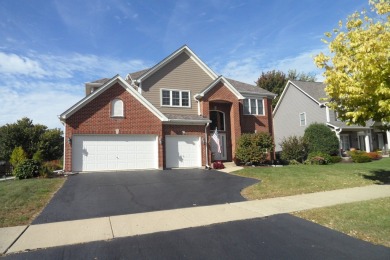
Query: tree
x=357 y=73
x=51 y=144
x=18 y=155
x=302 y=76
x=320 y=138
x=275 y=81
x=29 y=136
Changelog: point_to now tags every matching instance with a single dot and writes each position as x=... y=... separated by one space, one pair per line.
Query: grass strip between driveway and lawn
x=300 y=179
x=365 y=220
x=22 y=200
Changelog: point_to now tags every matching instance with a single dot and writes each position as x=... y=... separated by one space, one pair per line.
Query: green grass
x=22 y=200
x=367 y=220
x=299 y=179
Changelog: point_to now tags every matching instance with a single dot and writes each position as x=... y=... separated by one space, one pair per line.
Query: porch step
x=230 y=167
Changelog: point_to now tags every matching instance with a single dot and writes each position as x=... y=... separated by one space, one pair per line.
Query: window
x=253 y=107
x=117 y=108
x=217 y=120
x=175 y=98
x=302 y=119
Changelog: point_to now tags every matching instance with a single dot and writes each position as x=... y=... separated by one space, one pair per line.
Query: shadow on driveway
x=97 y=194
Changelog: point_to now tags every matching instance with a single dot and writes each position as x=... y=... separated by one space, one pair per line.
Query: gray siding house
x=302 y=103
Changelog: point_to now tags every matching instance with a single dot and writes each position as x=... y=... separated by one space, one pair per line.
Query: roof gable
x=105 y=86
x=225 y=82
x=189 y=52
x=313 y=90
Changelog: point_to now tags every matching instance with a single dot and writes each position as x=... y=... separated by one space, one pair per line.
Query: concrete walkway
x=32 y=237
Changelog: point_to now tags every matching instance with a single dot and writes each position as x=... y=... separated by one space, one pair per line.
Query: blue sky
x=49 y=49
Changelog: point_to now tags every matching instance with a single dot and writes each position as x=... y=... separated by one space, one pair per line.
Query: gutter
x=207 y=148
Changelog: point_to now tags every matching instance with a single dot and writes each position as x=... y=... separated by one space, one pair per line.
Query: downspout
x=207 y=148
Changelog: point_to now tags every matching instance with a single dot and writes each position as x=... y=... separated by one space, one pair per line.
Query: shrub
x=294 y=148
x=335 y=159
x=27 y=169
x=38 y=156
x=319 y=158
x=293 y=162
x=18 y=155
x=320 y=138
x=254 y=148
x=359 y=156
x=374 y=155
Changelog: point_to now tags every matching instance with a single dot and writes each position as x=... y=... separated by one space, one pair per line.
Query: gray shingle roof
x=101 y=81
x=185 y=117
x=315 y=89
x=247 y=88
x=137 y=74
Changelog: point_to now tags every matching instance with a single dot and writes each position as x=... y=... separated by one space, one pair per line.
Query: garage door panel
x=114 y=152
x=183 y=151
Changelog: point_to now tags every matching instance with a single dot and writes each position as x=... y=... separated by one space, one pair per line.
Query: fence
x=5 y=169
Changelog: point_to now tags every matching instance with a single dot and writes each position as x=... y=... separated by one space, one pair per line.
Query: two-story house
x=162 y=117
x=302 y=103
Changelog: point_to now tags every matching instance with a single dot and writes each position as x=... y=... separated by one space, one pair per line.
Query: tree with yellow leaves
x=357 y=71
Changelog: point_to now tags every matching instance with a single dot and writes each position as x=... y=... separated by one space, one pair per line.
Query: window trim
x=112 y=108
x=300 y=120
x=171 y=99
x=250 y=100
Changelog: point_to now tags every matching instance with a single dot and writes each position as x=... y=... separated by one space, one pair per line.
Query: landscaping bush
x=335 y=159
x=294 y=162
x=254 y=148
x=374 y=155
x=27 y=169
x=358 y=156
x=319 y=158
x=320 y=138
x=18 y=155
x=293 y=148
x=38 y=156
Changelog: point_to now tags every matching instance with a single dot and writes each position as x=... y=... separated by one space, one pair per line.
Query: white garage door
x=182 y=151
x=114 y=152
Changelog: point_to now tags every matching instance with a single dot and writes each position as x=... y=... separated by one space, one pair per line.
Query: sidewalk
x=97 y=229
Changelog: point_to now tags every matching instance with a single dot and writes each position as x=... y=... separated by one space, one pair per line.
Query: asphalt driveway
x=98 y=194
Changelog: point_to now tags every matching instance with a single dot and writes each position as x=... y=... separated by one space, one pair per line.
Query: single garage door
x=183 y=151
x=114 y=152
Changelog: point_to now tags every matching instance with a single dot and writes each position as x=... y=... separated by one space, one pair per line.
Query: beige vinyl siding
x=182 y=73
x=286 y=118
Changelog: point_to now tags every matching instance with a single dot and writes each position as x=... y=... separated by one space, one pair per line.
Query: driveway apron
x=99 y=194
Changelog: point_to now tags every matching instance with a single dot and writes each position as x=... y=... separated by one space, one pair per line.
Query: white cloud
x=15 y=64
x=41 y=86
x=248 y=66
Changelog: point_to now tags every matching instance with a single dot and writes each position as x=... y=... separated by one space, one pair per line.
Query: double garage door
x=114 y=152
x=126 y=152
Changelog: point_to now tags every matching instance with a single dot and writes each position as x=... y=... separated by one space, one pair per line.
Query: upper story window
x=336 y=116
x=175 y=98
x=253 y=106
x=302 y=119
x=117 y=108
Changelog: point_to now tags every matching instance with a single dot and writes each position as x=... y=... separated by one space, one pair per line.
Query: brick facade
x=95 y=118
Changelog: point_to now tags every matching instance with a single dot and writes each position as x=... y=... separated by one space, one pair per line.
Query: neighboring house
x=302 y=103
x=162 y=117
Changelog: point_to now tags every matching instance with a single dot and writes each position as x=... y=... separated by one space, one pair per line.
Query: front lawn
x=22 y=200
x=299 y=179
x=366 y=220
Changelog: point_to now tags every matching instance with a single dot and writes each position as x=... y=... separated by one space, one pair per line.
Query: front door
x=214 y=147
